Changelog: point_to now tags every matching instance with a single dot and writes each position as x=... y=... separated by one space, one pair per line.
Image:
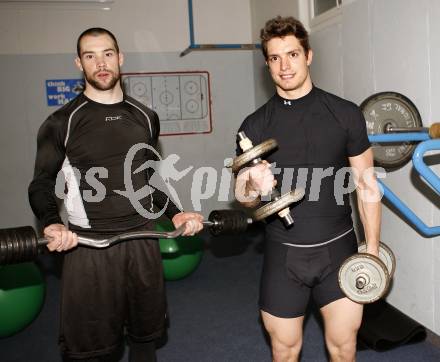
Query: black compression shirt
x=94 y=139
x=316 y=134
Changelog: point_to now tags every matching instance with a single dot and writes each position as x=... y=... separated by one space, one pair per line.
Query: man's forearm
x=370 y=214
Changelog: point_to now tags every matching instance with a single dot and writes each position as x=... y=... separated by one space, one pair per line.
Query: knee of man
x=286 y=350
x=282 y=342
x=343 y=350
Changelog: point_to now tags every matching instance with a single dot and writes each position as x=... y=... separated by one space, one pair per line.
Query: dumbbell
x=21 y=244
x=252 y=156
x=365 y=278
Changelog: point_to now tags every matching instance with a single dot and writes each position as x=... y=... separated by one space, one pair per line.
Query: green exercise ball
x=22 y=291
x=180 y=256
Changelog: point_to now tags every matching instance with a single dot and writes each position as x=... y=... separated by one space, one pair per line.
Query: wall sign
x=61 y=91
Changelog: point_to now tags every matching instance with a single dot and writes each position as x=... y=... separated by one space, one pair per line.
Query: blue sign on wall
x=61 y=91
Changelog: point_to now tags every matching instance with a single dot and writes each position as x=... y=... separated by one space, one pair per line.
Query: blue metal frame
x=421 y=167
x=399 y=137
x=426 y=145
x=193 y=46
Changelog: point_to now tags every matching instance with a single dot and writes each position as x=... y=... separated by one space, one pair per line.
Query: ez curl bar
x=21 y=244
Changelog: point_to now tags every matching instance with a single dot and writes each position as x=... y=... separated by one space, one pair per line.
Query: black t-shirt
x=315 y=134
x=93 y=140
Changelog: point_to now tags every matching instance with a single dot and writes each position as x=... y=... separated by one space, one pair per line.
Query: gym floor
x=213 y=314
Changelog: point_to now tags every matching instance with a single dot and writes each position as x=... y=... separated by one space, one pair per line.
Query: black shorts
x=290 y=274
x=105 y=290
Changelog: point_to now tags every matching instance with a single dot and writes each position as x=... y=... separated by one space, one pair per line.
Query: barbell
x=22 y=244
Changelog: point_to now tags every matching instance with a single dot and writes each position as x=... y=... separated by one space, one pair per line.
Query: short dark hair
x=280 y=27
x=95 y=32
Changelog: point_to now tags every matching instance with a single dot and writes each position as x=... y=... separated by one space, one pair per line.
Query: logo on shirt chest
x=112 y=118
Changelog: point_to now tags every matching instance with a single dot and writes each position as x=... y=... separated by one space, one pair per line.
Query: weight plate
x=368 y=269
x=228 y=221
x=385 y=254
x=275 y=206
x=390 y=109
x=253 y=153
x=3 y=252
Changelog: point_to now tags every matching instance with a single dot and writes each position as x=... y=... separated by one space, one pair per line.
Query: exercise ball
x=22 y=291
x=181 y=255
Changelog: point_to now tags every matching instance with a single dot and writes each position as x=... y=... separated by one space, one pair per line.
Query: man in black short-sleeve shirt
x=321 y=138
x=86 y=144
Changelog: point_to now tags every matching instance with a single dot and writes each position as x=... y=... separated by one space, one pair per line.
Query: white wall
x=393 y=45
x=37 y=42
x=140 y=25
x=261 y=12
x=222 y=22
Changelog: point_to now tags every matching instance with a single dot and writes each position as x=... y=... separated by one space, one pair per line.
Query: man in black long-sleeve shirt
x=85 y=144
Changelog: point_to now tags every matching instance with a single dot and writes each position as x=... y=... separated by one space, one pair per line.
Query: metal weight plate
x=390 y=109
x=275 y=206
x=253 y=153
x=385 y=254
x=363 y=278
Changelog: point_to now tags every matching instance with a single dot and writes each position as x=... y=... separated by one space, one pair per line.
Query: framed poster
x=62 y=91
x=182 y=100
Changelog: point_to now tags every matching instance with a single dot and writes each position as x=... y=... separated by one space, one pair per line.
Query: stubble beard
x=100 y=86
